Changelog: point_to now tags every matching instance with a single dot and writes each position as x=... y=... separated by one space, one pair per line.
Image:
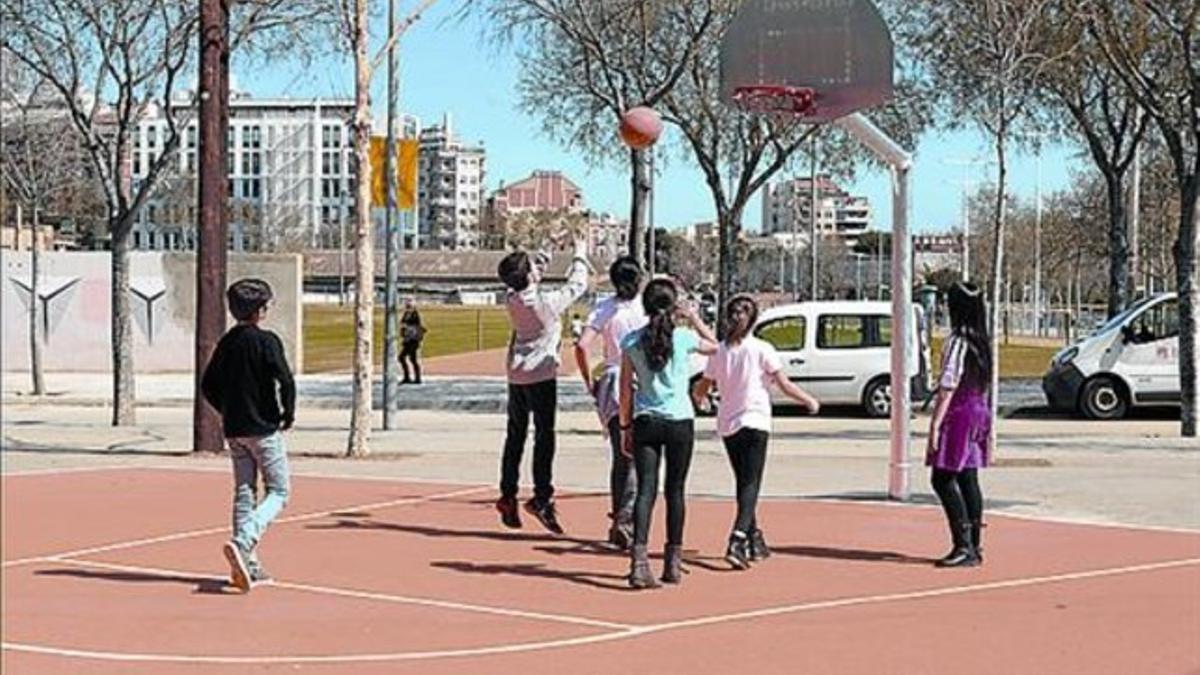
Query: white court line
x=627 y=633
x=600 y=491
x=65 y=470
x=928 y=593
x=189 y=534
x=361 y=595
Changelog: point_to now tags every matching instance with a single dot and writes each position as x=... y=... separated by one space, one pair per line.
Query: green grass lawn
x=329 y=334
x=1017 y=361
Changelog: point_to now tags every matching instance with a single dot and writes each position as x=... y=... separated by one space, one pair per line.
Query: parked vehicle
x=1132 y=360
x=841 y=351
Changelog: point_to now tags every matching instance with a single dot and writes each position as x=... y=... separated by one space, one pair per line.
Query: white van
x=841 y=351
x=1133 y=359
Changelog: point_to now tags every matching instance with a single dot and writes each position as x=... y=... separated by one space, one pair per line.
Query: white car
x=841 y=351
x=1131 y=360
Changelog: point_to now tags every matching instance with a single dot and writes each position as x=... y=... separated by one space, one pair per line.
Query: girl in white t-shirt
x=743 y=369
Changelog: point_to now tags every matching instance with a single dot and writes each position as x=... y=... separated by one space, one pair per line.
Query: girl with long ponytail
x=657 y=419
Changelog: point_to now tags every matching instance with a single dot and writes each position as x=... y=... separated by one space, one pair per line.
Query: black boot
x=758 y=546
x=963 y=553
x=737 y=554
x=977 y=538
x=640 y=575
x=672 y=564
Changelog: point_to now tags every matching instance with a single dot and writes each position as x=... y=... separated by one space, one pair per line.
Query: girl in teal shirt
x=657 y=420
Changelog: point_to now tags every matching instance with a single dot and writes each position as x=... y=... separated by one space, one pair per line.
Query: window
x=189 y=162
x=191 y=137
x=151 y=238
x=1160 y=322
x=786 y=335
x=854 y=331
x=137 y=163
x=252 y=137
x=151 y=137
x=137 y=239
x=331 y=137
x=841 y=332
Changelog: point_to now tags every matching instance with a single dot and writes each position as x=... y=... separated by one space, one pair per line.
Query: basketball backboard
x=816 y=59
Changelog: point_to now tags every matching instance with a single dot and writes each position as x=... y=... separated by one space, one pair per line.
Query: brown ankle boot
x=672 y=564
x=640 y=575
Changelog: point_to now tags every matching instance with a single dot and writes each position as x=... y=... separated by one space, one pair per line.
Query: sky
x=448 y=68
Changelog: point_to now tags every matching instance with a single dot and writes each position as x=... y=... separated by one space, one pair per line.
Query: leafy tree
x=1154 y=48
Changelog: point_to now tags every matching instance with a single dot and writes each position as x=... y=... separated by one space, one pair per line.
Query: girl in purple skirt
x=961 y=426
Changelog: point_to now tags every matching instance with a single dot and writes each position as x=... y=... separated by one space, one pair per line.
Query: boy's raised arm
x=578 y=281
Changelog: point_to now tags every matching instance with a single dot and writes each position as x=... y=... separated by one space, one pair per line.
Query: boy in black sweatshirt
x=240 y=382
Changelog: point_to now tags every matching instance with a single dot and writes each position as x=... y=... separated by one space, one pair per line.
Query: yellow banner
x=407 y=151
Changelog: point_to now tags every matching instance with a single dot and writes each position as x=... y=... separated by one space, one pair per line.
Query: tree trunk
x=123 y=412
x=364 y=249
x=639 y=184
x=1118 y=247
x=1189 y=297
x=997 y=271
x=35 y=307
x=212 y=249
x=728 y=224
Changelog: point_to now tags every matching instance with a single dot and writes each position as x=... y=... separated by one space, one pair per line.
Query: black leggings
x=747 y=450
x=960 y=495
x=408 y=354
x=652 y=438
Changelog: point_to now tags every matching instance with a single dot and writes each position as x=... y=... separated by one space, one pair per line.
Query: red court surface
x=120 y=571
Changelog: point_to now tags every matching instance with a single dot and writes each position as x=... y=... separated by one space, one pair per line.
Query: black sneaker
x=738 y=553
x=758 y=546
x=239 y=573
x=546 y=514
x=258 y=575
x=509 y=515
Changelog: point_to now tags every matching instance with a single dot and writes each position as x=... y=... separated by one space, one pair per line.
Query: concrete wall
x=75 y=294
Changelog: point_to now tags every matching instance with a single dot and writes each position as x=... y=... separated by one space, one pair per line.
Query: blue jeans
x=268 y=455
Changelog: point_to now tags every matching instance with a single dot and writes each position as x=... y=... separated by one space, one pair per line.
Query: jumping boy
x=240 y=382
x=533 y=359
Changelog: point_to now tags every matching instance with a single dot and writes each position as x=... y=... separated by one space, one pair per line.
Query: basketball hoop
x=806 y=61
x=776 y=99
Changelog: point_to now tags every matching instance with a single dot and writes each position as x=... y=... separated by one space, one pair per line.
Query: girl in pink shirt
x=743 y=369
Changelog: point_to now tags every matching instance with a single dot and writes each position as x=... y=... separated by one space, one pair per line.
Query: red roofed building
x=540 y=191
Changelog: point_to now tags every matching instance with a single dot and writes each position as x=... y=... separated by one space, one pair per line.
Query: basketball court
x=120 y=571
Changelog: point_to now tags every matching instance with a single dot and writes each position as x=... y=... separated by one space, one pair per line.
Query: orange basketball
x=640 y=127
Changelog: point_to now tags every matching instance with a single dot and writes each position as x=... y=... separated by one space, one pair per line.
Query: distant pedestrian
x=743 y=370
x=240 y=382
x=534 y=352
x=611 y=320
x=412 y=333
x=959 y=433
x=657 y=408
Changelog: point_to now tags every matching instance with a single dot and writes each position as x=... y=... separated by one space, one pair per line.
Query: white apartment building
x=450 y=190
x=786 y=205
x=608 y=235
x=291 y=182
